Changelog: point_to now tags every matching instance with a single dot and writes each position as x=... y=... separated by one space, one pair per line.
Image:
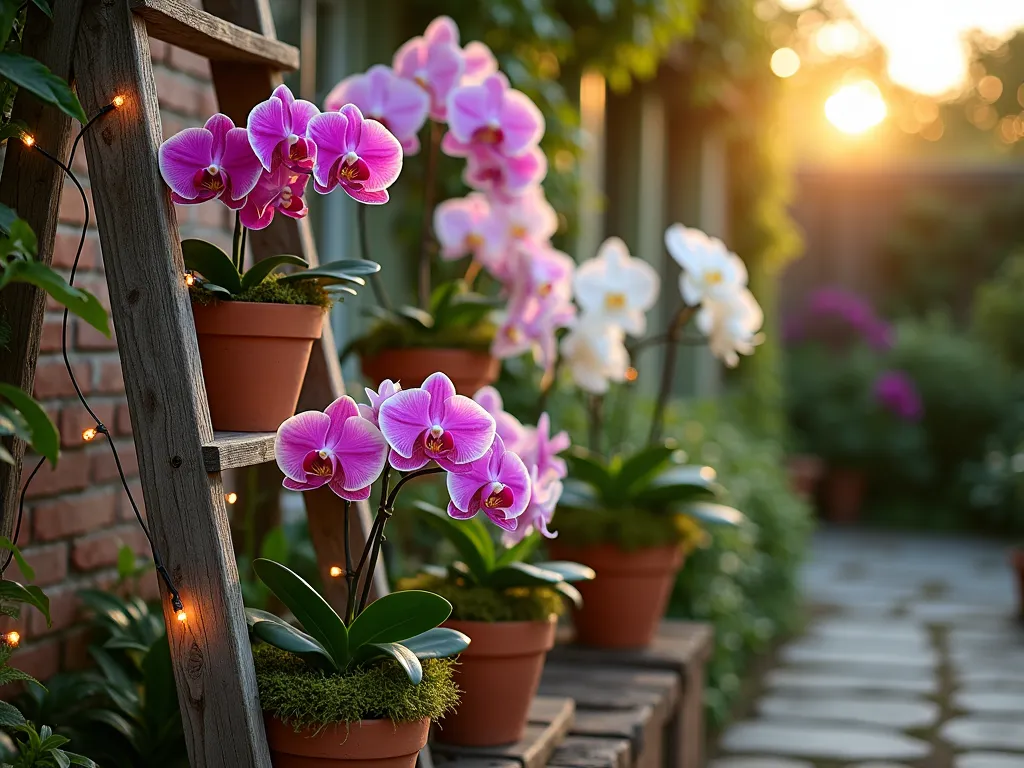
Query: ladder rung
x=230 y=450
x=178 y=23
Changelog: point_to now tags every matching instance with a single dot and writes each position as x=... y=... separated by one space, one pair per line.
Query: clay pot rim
x=1017 y=557
x=382 y=731
x=479 y=353
x=259 y=319
x=506 y=639
x=610 y=558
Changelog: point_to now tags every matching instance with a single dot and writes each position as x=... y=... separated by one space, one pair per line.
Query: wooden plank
x=591 y=752
x=210 y=651
x=240 y=87
x=32 y=186
x=549 y=721
x=231 y=450
x=185 y=26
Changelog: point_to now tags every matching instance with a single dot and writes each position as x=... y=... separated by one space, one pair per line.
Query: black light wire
x=100 y=426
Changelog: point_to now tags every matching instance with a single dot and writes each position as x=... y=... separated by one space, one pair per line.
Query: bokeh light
x=785 y=62
x=856 y=107
x=990 y=88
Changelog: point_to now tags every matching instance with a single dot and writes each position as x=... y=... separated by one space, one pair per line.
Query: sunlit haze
x=856 y=107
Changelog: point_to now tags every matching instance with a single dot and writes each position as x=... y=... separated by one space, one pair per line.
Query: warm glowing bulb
x=190 y=279
x=856 y=107
x=89 y=434
x=13 y=638
x=182 y=615
x=785 y=62
x=631 y=374
x=336 y=571
x=118 y=101
x=28 y=140
x=231 y=498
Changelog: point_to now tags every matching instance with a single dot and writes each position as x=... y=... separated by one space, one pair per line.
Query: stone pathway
x=913 y=659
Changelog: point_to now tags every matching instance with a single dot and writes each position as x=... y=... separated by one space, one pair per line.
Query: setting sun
x=856 y=107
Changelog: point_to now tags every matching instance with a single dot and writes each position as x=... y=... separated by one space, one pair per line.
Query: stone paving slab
x=854 y=631
x=991 y=702
x=989 y=679
x=988 y=760
x=923 y=662
x=758 y=762
x=831 y=743
x=839 y=682
x=864 y=710
x=985 y=732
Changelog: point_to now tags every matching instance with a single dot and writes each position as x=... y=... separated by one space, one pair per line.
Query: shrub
x=998 y=312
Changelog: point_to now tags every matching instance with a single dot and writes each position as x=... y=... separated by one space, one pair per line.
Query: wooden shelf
x=231 y=450
x=178 y=23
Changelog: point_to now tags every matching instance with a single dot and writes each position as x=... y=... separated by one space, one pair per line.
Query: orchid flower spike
x=710 y=271
x=497 y=483
x=615 y=288
x=337 y=448
x=434 y=62
x=494 y=116
x=398 y=104
x=359 y=155
x=386 y=389
x=460 y=226
x=433 y=423
x=507 y=426
x=214 y=161
x=277 y=131
x=279 y=190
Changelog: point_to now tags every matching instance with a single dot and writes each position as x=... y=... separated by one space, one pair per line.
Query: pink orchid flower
x=545 y=492
x=507 y=426
x=478 y=63
x=541 y=449
x=359 y=155
x=531 y=324
x=459 y=225
x=434 y=62
x=433 y=423
x=277 y=131
x=337 y=448
x=528 y=217
x=493 y=116
x=503 y=177
x=497 y=483
x=398 y=104
x=386 y=389
x=214 y=161
x=279 y=190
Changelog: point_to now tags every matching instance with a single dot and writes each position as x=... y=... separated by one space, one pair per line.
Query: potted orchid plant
x=506 y=604
x=462 y=106
x=256 y=326
x=627 y=511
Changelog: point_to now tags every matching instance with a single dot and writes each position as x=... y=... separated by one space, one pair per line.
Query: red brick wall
x=77 y=516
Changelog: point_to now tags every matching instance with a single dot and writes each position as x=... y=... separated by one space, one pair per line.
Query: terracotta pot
x=498 y=676
x=366 y=744
x=805 y=472
x=254 y=359
x=469 y=370
x=623 y=605
x=1017 y=563
x=843 y=494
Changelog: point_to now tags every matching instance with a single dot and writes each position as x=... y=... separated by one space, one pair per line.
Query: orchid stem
x=668 y=371
x=379 y=292
x=471 y=273
x=350 y=575
x=429 y=193
x=236 y=242
x=371 y=537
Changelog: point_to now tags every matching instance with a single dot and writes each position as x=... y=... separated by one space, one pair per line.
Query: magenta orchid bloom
x=503 y=177
x=359 y=155
x=541 y=449
x=279 y=190
x=495 y=117
x=214 y=161
x=460 y=225
x=277 y=131
x=545 y=492
x=531 y=324
x=433 y=423
x=398 y=104
x=512 y=433
x=434 y=62
x=386 y=389
x=497 y=484
x=337 y=448
x=478 y=63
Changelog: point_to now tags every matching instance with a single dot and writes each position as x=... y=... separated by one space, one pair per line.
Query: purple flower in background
x=839 y=318
x=896 y=392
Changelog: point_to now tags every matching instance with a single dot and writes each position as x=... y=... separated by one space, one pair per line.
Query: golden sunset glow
x=785 y=62
x=856 y=107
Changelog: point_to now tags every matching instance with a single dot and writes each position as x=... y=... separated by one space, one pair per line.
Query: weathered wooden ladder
x=103 y=46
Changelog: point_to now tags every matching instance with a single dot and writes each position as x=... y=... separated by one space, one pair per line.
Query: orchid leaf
x=643 y=466
x=345 y=271
x=213 y=264
x=566 y=589
x=677 y=485
x=45 y=439
x=437 y=643
x=259 y=271
x=34 y=77
x=522 y=575
x=79 y=302
x=406 y=659
x=519 y=551
x=220 y=290
x=567 y=570
x=577 y=494
x=469 y=537
x=44 y=6
x=295 y=641
x=590 y=469
x=7 y=217
x=714 y=514
x=397 y=617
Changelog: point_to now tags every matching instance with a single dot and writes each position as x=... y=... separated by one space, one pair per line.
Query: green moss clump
x=307 y=698
x=387 y=335
x=628 y=528
x=471 y=603
x=272 y=291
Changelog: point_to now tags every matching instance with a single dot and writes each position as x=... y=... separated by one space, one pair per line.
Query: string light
x=631 y=374
x=190 y=279
x=28 y=139
x=181 y=615
x=336 y=571
x=118 y=101
x=89 y=434
x=231 y=498
x=12 y=638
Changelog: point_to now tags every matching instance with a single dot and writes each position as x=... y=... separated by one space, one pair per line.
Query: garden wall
x=78 y=516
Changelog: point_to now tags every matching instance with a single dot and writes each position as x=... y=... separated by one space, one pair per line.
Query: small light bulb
x=182 y=615
x=231 y=498
x=118 y=101
x=27 y=139
x=336 y=571
x=190 y=279
x=631 y=374
x=13 y=638
x=89 y=434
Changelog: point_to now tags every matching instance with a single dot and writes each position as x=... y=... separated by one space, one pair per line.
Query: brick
x=88 y=338
x=158 y=49
x=50 y=563
x=170 y=125
x=41 y=660
x=74 y=419
x=64 y=610
x=49 y=339
x=104 y=469
x=100 y=550
x=52 y=379
x=71 y=474
x=73 y=515
x=111 y=379
x=123 y=424
x=177 y=92
x=75 y=649
x=188 y=62
x=148 y=587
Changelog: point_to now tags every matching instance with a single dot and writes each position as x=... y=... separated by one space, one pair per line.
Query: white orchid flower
x=732 y=326
x=615 y=288
x=595 y=353
x=710 y=270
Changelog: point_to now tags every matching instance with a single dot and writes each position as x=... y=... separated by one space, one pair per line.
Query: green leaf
x=161 y=699
x=292 y=640
x=275 y=544
x=715 y=514
x=313 y=612
x=519 y=551
x=397 y=617
x=125 y=562
x=34 y=596
x=81 y=760
x=469 y=537
x=9 y=12
x=62 y=760
x=568 y=590
x=7 y=218
x=45 y=439
x=10 y=715
x=522 y=575
x=677 y=485
x=79 y=302
x=217 y=289
x=567 y=570
x=54 y=742
x=35 y=78
x=346 y=271
x=643 y=465
x=406 y=659
x=213 y=264
x=437 y=643
x=466 y=311
x=261 y=269
x=23 y=566
x=577 y=494
x=44 y=6
x=13 y=675
x=590 y=469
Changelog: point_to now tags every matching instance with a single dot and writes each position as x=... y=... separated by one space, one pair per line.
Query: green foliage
x=472 y=602
x=43 y=749
x=998 y=312
x=639 y=529
x=24 y=418
x=307 y=698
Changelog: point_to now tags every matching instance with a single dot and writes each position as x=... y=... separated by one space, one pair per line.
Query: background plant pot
x=1017 y=564
x=623 y=605
x=805 y=472
x=843 y=494
x=366 y=744
x=498 y=675
x=254 y=360
x=468 y=369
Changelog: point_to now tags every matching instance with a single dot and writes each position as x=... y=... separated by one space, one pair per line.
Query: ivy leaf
x=79 y=302
x=37 y=79
x=45 y=439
